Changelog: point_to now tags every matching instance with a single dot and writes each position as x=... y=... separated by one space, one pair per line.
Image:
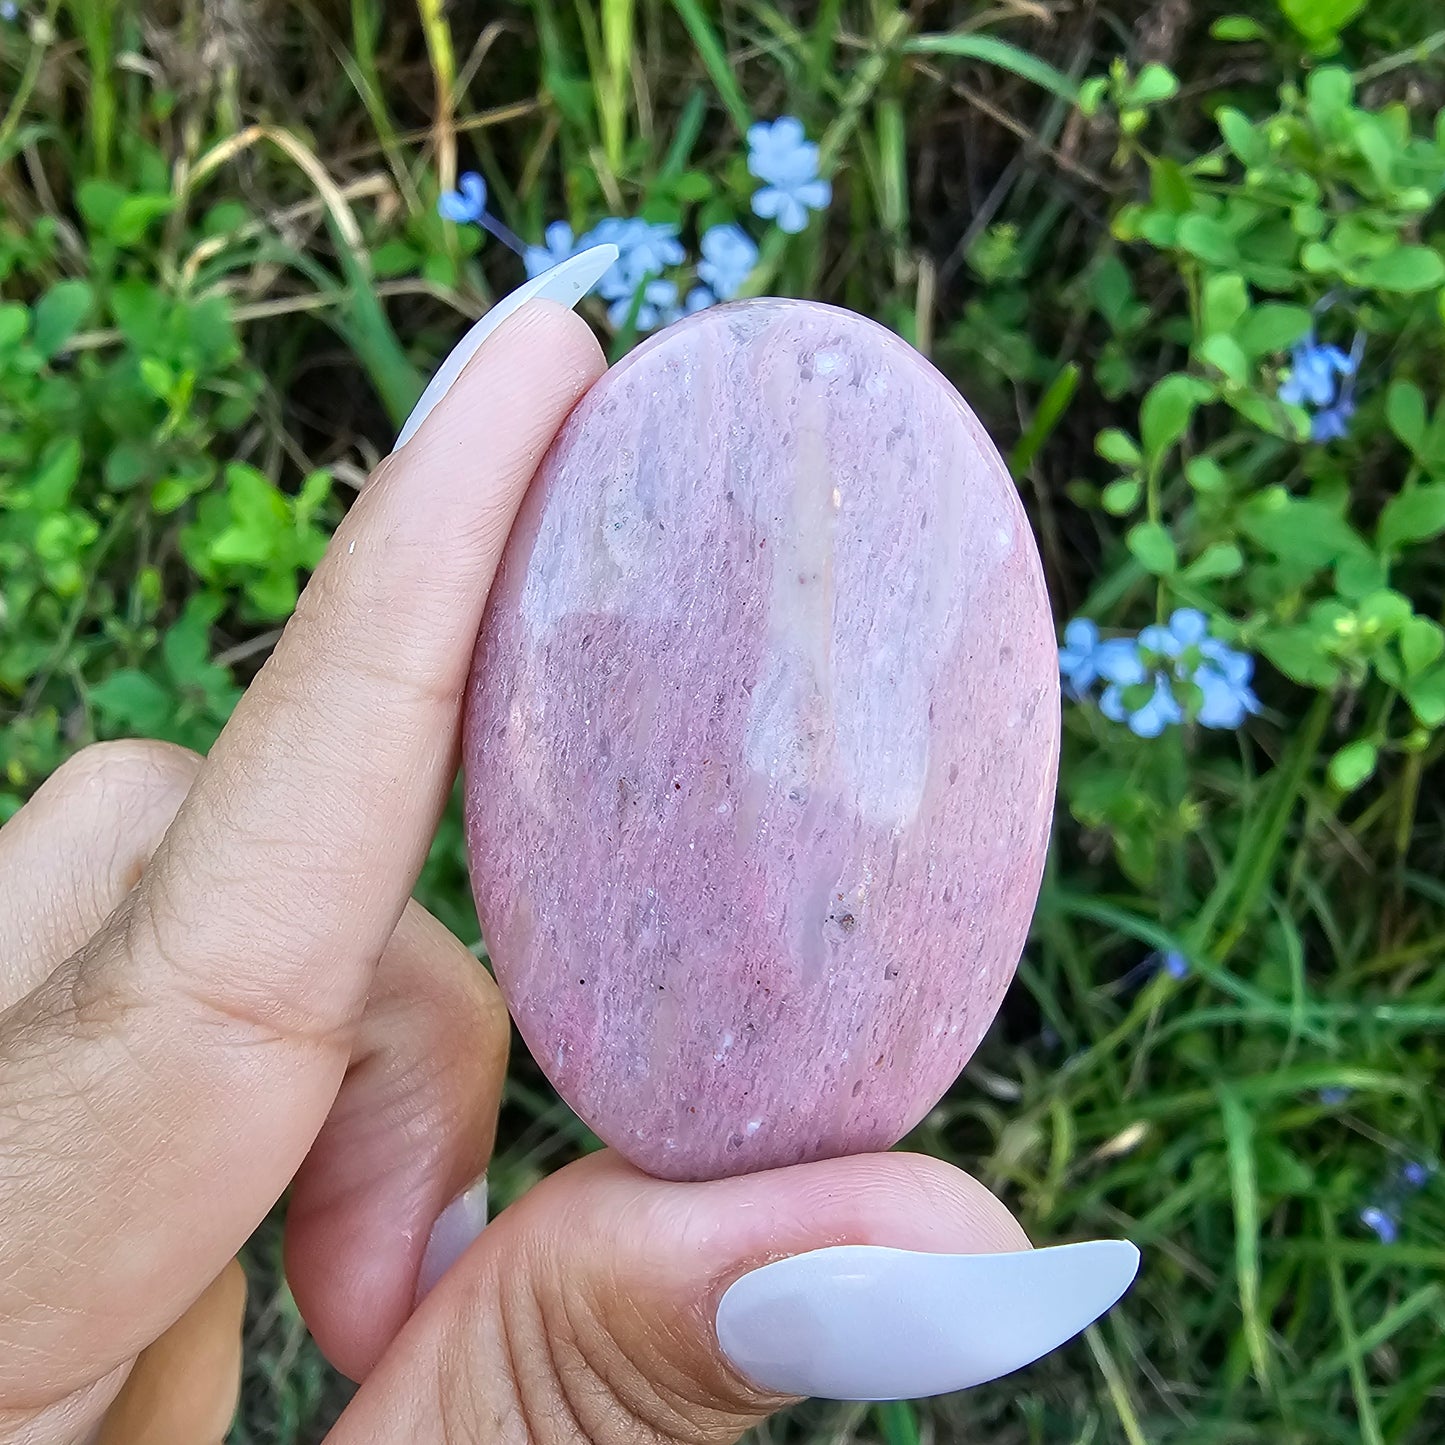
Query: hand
x=215 y=986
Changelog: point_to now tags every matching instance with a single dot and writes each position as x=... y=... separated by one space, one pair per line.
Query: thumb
x=608 y=1307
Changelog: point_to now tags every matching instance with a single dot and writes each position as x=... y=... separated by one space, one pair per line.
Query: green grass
x=974 y=212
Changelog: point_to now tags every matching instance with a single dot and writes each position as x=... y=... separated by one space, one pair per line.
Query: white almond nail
x=451 y=1236
x=565 y=284
x=862 y=1322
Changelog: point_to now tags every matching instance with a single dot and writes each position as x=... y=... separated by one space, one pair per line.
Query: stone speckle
x=761 y=743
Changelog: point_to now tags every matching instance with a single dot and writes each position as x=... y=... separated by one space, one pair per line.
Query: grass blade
x=714 y=57
x=992 y=51
x=1244 y=1190
x=897 y=1423
x=1052 y=406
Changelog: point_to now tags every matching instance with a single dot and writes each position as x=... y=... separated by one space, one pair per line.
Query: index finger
x=163 y=1087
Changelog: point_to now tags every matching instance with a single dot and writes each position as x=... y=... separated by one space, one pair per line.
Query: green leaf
x=1272 y=327
x=1226 y=299
x=1153 y=84
x=1414 y=515
x=1296 y=652
x=1407 y=269
x=1153 y=548
x=1000 y=53
x=1118 y=447
x=1308 y=533
x=1421 y=643
x=129 y=701
x=1206 y=476
x=1208 y=239
x=1426 y=696
x=1121 y=497
x=1166 y=411
x=1383 y=613
x=55 y=476
x=1247 y=140
x=59 y=314
x=1219 y=559
x=1226 y=356
x=1320 y=21
x=1353 y=765
x=135 y=216
x=1238 y=28
x=1329 y=89
x=1405 y=411
x=693 y=187
x=14 y=323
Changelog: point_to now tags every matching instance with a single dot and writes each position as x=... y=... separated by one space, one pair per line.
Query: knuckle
x=129 y=766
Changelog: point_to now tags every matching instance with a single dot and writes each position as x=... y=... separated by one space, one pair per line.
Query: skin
x=214 y=986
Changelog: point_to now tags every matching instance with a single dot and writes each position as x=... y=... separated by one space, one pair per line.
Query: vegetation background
x=224 y=279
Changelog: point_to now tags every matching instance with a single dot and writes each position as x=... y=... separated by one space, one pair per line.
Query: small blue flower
x=645 y=249
x=558 y=246
x=468 y=203
x=698 y=299
x=1118 y=661
x=1384 y=1224
x=786 y=162
x=1312 y=373
x=1333 y=423
x=1176 y=965
x=659 y=306
x=9 y=10
x=728 y=257
x=1223 y=677
x=1334 y=1096
x=1189 y=626
x=1076 y=656
x=1160 y=640
x=1415 y=1174
x=1147 y=720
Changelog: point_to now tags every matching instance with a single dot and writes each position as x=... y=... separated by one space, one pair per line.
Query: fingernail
x=451 y=1236
x=565 y=284
x=861 y=1322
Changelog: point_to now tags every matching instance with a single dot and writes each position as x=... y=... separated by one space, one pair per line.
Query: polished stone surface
x=761 y=743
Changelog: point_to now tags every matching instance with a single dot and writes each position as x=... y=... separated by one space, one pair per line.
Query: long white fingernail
x=565 y=284
x=452 y=1235
x=862 y=1322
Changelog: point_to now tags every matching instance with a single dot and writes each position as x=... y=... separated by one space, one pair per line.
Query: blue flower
x=1384 y=1224
x=1335 y=1095
x=1331 y=424
x=558 y=246
x=728 y=257
x=786 y=162
x=1118 y=661
x=646 y=248
x=698 y=299
x=466 y=205
x=1147 y=719
x=1415 y=1174
x=9 y=10
x=1312 y=373
x=1223 y=677
x=1189 y=626
x=1076 y=656
x=1161 y=640
x=1176 y=965
x=659 y=306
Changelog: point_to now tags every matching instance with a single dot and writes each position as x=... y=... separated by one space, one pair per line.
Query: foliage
x=1131 y=250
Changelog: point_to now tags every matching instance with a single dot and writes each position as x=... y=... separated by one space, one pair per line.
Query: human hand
x=215 y=987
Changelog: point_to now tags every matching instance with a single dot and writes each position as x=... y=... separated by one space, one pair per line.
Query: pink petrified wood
x=761 y=743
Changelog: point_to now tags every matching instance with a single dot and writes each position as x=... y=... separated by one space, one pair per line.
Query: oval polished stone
x=761 y=743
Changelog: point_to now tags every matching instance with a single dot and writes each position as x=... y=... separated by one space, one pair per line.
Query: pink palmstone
x=761 y=742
